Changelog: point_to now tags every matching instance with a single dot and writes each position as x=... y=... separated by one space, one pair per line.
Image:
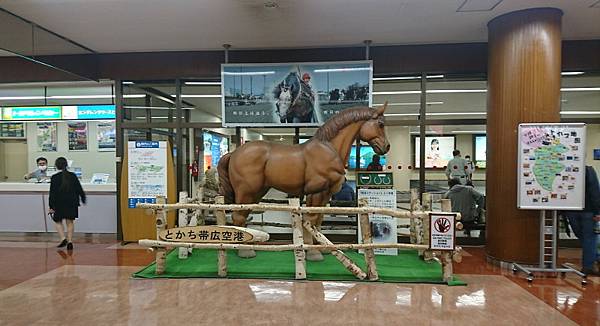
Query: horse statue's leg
x=315 y=200
x=239 y=219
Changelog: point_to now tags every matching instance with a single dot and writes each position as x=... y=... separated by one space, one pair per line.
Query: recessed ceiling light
x=478 y=5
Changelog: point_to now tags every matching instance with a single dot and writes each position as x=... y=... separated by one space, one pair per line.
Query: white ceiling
x=159 y=25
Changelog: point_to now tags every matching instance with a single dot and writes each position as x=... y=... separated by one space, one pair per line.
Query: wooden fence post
x=297 y=230
x=427 y=206
x=161 y=224
x=222 y=253
x=183 y=221
x=367 y=238
x=415 y=205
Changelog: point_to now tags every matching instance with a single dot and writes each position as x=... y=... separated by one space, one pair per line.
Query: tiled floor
x=40 y=285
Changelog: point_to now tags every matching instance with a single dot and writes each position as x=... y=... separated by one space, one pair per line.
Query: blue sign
x=91 y=112
x=146 y=144
x=134 y=201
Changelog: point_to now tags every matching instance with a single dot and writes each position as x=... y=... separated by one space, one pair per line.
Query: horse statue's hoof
x=246 y=253
x=314 y=255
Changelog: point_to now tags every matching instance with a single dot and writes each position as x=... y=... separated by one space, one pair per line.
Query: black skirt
x=69 y=213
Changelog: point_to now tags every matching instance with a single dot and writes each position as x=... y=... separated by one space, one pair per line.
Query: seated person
x=345 y=194
x=465 y=200
x=375 y=165
x=40 y=172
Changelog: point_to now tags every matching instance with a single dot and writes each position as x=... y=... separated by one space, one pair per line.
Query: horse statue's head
x=373 y=132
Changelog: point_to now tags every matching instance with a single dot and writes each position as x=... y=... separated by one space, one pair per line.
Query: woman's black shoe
x=70 y=246
x=62 y=243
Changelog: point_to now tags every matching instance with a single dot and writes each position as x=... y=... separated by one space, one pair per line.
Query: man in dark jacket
x=346 y=193
x=465 y=200
x=582 y=222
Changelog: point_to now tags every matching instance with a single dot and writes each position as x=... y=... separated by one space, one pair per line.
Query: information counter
x=24 y=208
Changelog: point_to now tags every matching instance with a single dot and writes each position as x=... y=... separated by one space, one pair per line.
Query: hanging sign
x=147 y=171
x=213 y=234
x=442 y=231
x=551 y=166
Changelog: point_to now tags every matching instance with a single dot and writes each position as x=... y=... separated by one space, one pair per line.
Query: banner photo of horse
x=292 y=94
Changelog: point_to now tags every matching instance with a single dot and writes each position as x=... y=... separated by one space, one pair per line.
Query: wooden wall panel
x=524 y=67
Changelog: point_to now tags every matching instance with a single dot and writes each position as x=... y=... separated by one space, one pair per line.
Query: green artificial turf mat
x=407 y=267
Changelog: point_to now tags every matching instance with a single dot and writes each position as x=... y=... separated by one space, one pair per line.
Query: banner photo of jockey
x=292 y=94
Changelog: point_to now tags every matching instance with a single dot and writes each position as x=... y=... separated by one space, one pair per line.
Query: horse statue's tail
x=225 y=187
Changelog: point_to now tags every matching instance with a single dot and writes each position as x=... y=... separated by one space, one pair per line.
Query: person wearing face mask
x=40 y=172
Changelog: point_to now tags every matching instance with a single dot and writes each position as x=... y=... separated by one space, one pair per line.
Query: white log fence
x=298 y=226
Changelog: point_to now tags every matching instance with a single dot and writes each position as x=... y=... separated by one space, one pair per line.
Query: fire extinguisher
x=194 y=169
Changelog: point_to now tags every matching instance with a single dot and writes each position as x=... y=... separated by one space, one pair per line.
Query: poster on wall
x=438 y=151
x=78 y=136
x=480 y=152
x=147 y=171
x=106 y=136
x=384 y=229
x=12 y=130
x=215 y=146
x=46 y=136
x=292 y=94
x=551 y=166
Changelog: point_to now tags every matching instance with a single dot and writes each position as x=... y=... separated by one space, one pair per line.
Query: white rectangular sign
x=147 y=171
x=384 y=229
x=551 y=165
x=442 y=231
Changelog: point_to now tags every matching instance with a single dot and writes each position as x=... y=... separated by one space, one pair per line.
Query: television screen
x=215 y=146
x=480 y=152
x=596 y=154
x=366 y=156
x=438 y=151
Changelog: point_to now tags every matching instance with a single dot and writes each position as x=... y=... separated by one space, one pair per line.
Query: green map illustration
x=547 y=164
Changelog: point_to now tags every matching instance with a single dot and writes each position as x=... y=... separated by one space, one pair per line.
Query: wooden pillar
x=297 y=232
x=161 y=224
x=221 y=253
x=524 y=61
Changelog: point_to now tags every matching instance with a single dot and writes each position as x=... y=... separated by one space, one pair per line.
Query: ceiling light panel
x=478 y=5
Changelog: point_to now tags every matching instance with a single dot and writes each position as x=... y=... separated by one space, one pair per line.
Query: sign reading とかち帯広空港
x=213 y=234
x=551 y=166
x=384 y=229
x=441 y=231
x=147 y=171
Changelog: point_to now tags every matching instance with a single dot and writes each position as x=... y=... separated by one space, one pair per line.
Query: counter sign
x=442 y=231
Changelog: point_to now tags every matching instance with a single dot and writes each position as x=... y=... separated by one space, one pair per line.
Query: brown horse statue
x=314 y=168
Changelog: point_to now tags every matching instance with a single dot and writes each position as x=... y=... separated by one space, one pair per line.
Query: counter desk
x=24 y=208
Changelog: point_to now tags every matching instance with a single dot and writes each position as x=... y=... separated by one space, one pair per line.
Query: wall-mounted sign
x=32 y=113
x=46 y=135
x=375 y=179
x=147 y=171
x=106 y=136
x=70 y=112
x=442 y=231
x=88 y=112
x=78 y=136
x=213 y=233
x=292 y=94
x=12 y=130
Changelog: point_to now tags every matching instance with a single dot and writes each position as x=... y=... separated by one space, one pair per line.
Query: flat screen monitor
x=215 y=146
x=480 y=151
x=366 y=156
x=438 y=151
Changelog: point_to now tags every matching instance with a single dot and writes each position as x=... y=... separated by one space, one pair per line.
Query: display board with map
x=551 y=165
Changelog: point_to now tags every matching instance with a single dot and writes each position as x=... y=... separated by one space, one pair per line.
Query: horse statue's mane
x=342 y=119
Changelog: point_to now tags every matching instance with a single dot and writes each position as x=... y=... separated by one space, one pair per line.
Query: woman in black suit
x=65 y=192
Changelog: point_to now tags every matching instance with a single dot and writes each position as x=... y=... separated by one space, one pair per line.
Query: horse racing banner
x=292 y=94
